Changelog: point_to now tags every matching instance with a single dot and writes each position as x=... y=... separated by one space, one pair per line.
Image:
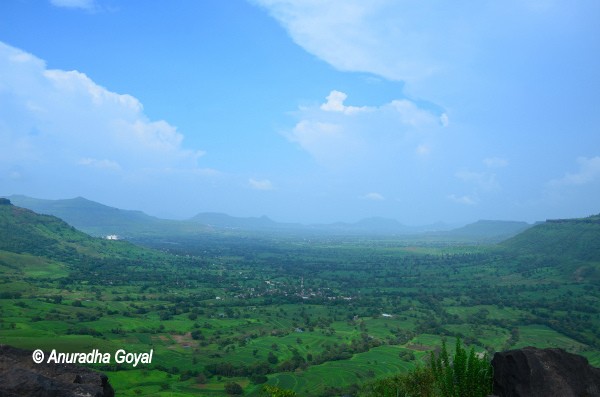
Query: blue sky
x=306 y=111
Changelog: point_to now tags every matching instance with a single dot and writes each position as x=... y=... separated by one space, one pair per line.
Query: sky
x=305 y=110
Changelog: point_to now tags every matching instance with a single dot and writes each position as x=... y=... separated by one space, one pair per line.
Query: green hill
x=23 y=231
x=100 y=220
x=491 y=229
x=575 y=239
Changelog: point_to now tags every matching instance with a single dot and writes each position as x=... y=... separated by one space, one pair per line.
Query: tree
x=272 y=358
x=233 y=388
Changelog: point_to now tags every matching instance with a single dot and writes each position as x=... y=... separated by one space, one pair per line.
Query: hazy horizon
x=307 y=112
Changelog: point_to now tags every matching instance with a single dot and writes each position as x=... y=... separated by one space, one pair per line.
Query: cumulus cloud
x=260 y=184
x=336 y=134
x=335 y=103
x=62 y=123
x=589 y=171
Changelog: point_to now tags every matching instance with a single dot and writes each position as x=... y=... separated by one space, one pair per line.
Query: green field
x=320 y=317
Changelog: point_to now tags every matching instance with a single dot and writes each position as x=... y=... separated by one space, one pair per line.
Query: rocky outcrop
x=20 y=376
x=534 y=372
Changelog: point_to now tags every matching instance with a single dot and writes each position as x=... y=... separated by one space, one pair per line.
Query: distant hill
x=100 y=220
x=219 y=220
x=490 y=230
x=577 y=239
x=367 y=226
x=23 y=231
x=373 y=225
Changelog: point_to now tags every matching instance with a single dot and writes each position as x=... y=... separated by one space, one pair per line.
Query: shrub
x=274 y=391
x=233 y=388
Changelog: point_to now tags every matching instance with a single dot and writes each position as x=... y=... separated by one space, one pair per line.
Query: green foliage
x=491 y=298
x=418 y=382
x=274 y=391
x=233 y=388
x=462 y=375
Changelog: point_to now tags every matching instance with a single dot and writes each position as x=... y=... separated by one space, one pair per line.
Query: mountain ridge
x=100 y=220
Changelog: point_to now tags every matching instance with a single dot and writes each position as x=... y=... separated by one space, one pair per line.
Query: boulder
x=20 y=376
x=534 y=372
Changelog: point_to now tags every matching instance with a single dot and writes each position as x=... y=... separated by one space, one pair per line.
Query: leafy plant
x=464 y=375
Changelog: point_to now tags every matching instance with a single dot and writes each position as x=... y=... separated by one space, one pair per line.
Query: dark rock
x=5 y=201
x=20 y=376
x=534 y=372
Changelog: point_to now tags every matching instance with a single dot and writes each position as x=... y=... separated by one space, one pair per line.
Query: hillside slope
x=491 y=229
x=100 y=220
x=23 y=231
x=576 y=239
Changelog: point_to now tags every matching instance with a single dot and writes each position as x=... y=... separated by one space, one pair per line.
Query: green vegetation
x=316 y=316
x=462 y=375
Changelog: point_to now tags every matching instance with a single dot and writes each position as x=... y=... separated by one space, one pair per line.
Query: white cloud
x=335 y=103
x=589 y=171
x=262 y=184
x=337 y=135
x=465 y=199
x=84 y=4
x=53 y=120
x=373 y=196
x=411 y=114
x=354 y=35
x=399 y=39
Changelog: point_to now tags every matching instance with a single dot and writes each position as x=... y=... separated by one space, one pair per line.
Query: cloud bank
x=60 y=126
